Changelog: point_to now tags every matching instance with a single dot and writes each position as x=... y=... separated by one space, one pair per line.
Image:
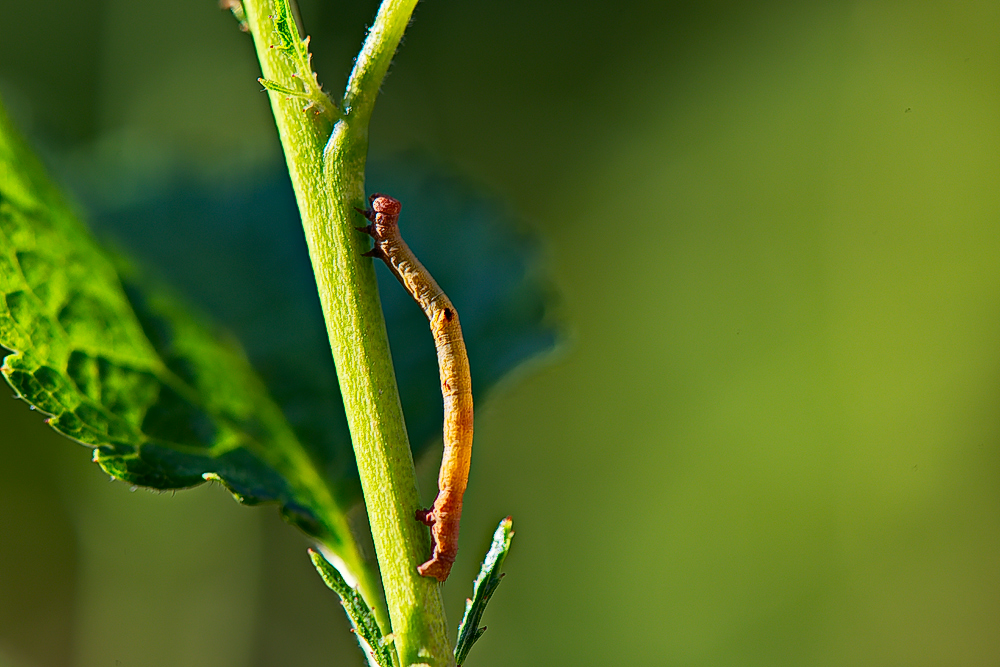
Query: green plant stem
x=328 y=178
x=303 y=136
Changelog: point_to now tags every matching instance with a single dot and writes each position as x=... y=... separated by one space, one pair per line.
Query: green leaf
x=210 y=242
x=277 y=87
x=164 y=401
x=296 y=50
x=360 y=614
x=486 y=584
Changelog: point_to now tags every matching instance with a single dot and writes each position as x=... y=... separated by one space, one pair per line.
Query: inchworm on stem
x=456 y=382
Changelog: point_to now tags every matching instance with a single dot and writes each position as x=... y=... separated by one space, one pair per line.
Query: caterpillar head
x=381 y=203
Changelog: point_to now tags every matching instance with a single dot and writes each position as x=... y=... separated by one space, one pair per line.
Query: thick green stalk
x=327 y=161
x=303 y=136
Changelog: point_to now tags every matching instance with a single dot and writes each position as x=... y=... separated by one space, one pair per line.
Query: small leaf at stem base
x=486 y=583
x=360 y=614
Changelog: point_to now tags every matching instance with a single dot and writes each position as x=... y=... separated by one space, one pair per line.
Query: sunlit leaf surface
x=164 y=401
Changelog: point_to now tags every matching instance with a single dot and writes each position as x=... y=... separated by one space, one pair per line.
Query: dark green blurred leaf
x=235 y=247
x=164 y=402
x=360 y=614
x=485 y=585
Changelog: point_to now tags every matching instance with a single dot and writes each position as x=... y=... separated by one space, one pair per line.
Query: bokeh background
x=772 y=433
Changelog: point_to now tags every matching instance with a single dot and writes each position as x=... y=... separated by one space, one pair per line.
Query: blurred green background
x=772 y=436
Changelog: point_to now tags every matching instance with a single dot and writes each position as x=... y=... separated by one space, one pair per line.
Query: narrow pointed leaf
x=360 y=614
x=277 y=87
x=485 y=585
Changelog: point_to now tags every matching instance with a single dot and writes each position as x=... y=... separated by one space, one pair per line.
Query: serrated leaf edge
x=297 y=50
x=483 y=588
x=377 y=647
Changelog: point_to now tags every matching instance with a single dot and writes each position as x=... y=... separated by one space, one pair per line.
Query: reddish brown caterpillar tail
x=444 y=535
